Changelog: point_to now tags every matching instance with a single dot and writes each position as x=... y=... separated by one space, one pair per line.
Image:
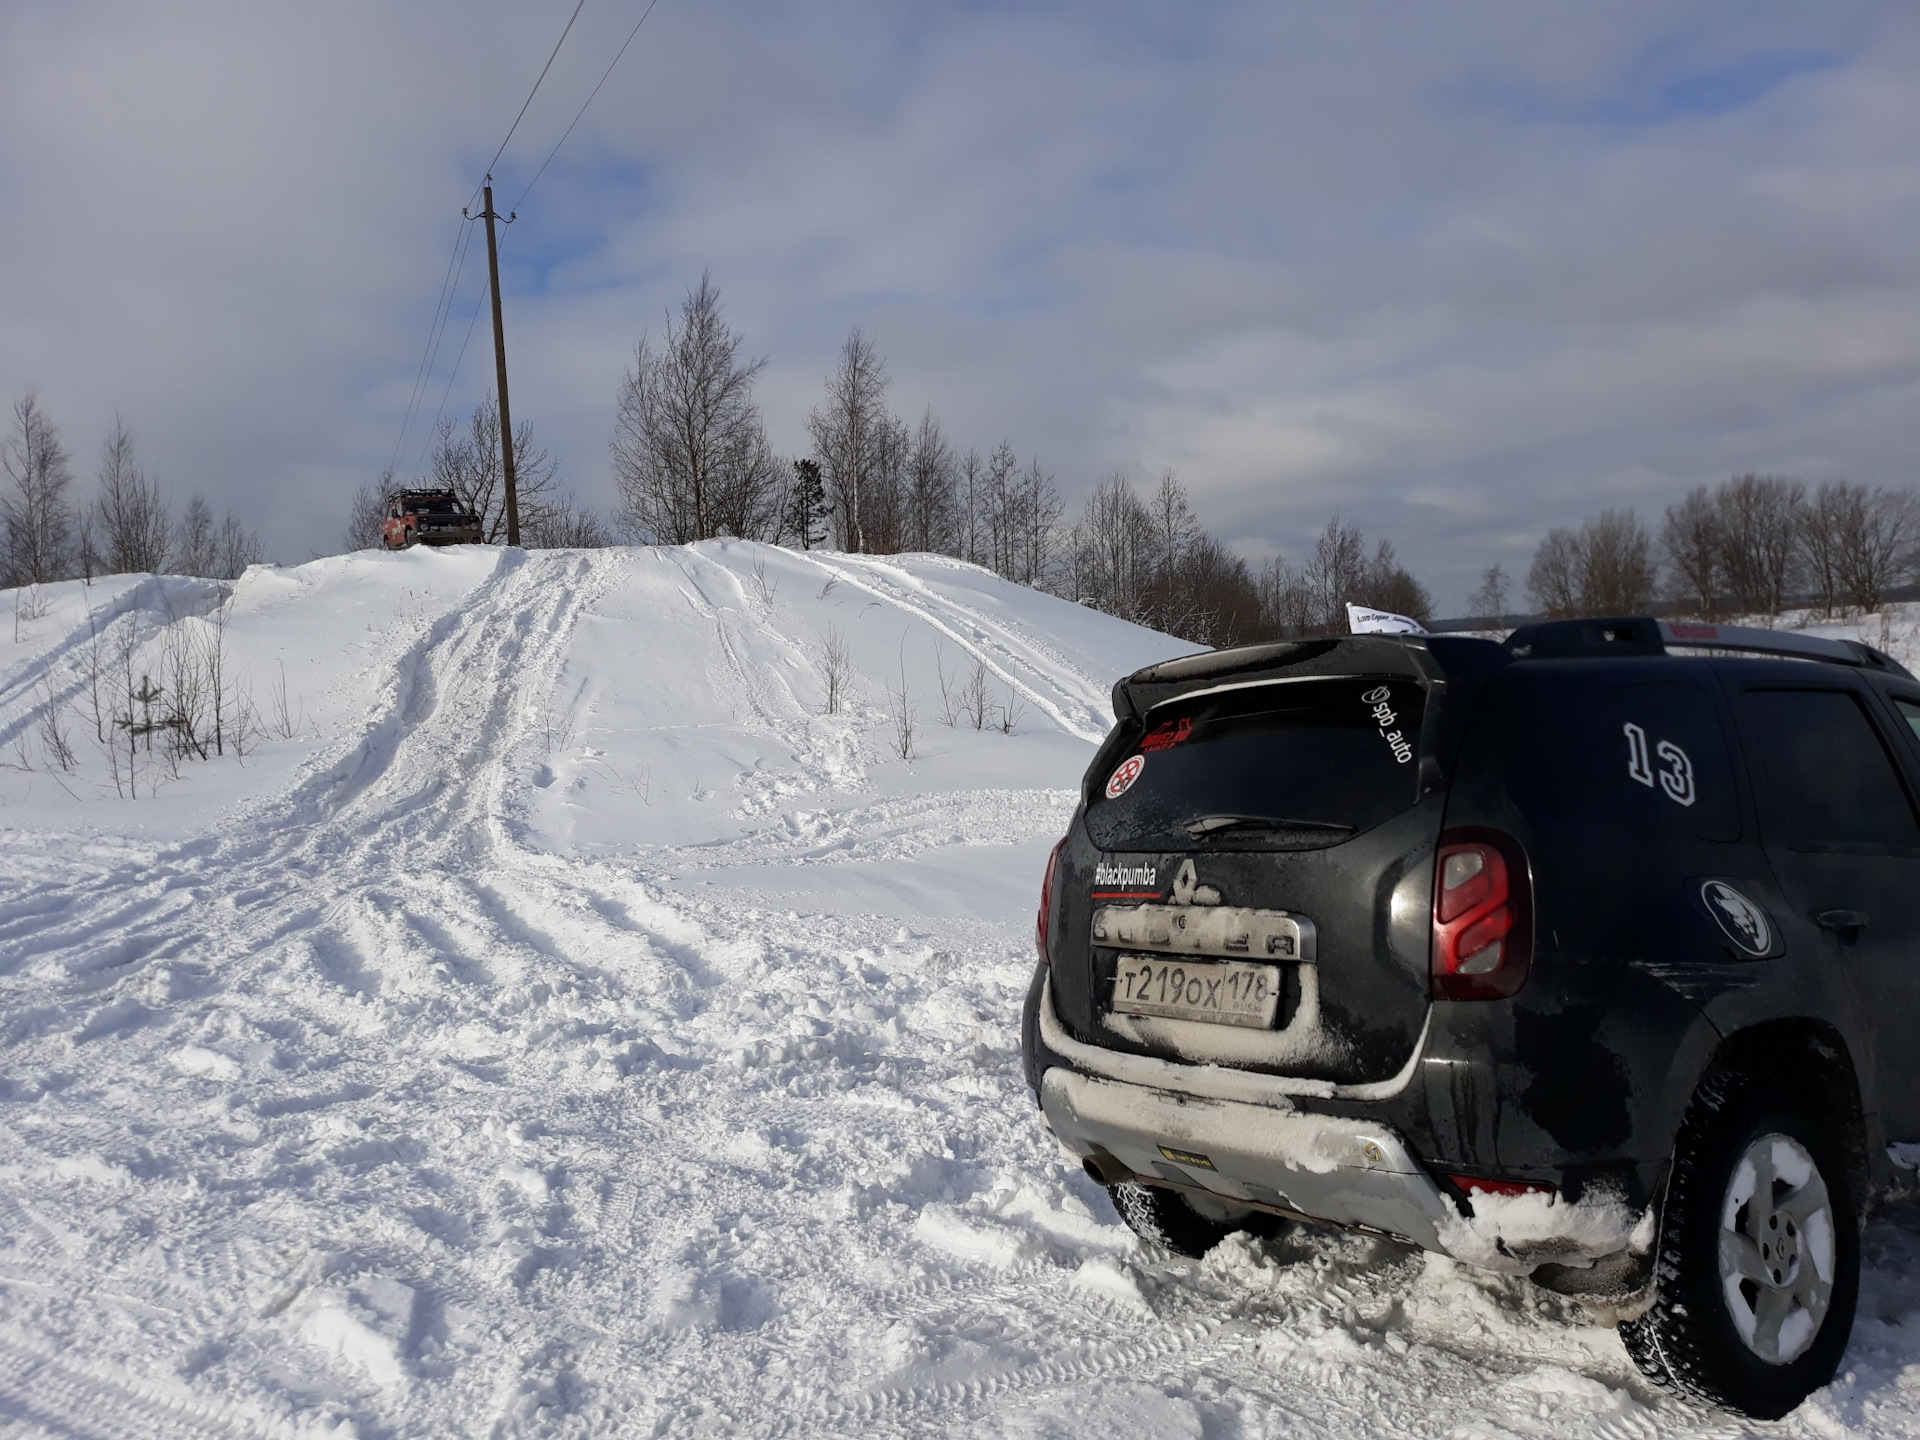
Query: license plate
x=1227 y=992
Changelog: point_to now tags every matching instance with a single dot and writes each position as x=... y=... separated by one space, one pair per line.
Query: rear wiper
x=1208 y=825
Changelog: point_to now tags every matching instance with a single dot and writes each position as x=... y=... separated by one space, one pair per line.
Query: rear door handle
x=1843 y=919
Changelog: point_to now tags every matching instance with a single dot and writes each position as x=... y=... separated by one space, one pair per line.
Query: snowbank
x=559 y=1026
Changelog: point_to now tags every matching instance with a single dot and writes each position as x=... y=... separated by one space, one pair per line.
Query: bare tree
x=1335 y=575
x=36 y=517
x=690 y=454
x=1616 y=570
x=848 y=429
x=1605 y=567
x=1036 y=527
x=1759 y=539
x=997 y=508
x=1110 y=552
x=469 y=465
x=235 y=548
x=1489 y=602
x=195 y=544
x=1553 y=581
x=1690 y=537
x=1874 y=542
x=1287 y=605
x=133 y=525
x=931 y=509
x=364 y=514
x=970 y=489
x=883 y=495
x=1389 y=585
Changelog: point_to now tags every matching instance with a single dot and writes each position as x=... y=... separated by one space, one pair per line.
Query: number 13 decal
x=1676 y=770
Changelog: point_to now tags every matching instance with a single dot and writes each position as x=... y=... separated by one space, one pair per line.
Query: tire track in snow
x=1019 y=651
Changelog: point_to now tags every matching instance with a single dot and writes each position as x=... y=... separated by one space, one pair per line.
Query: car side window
x=1831 y=784
x=1909 y=712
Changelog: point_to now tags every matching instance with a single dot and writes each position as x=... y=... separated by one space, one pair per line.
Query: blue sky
x=1460 y=272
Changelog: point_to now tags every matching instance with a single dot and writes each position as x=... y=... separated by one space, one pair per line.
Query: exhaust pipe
x=1104 y=1169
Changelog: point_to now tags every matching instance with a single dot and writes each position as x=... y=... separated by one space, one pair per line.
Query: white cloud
x=1462 y=272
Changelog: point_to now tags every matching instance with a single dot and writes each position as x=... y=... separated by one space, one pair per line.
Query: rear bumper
x=1344 y=1172
x=1255 y=1139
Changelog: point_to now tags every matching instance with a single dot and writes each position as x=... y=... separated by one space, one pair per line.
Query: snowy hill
x=552 y=1022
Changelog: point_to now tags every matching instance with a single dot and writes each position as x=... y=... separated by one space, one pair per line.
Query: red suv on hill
x=427 y=517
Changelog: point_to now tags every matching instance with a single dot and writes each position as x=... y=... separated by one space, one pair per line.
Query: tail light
x=1482 y=917
x=1512 y=1189
x=1045 y=919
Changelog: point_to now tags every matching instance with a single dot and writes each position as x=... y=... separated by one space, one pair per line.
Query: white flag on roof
x=1362 y=621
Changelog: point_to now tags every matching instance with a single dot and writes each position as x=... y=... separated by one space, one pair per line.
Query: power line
x=452 y=375
x=449 y=287
x=443 y=308
x=583 y=109
x=420 y=375
x=536 y=85
x=436 y=333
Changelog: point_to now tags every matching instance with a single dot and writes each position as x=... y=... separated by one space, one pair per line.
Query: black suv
x=1591 y=955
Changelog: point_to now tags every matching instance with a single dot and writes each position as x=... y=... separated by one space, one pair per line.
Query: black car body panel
x=1720 y=856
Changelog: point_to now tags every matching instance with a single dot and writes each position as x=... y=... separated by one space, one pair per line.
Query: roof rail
x=1643 y=635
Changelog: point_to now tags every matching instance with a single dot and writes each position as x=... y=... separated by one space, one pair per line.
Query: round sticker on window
x=1124 y=777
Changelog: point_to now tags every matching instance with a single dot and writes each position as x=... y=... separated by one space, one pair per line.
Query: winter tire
x=1759 y=1260
x=1168 y=1218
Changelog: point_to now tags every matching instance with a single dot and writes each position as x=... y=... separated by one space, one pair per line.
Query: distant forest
x=52 y=532
x=692 y=461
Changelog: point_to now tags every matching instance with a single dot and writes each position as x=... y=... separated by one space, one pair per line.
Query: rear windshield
x=1294 y=766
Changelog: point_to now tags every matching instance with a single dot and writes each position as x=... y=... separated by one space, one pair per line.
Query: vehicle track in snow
x=371 y=1109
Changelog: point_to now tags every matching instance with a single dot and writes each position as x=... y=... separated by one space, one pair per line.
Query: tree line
x=692 y=461
x=1752 y=545
x=125 y=527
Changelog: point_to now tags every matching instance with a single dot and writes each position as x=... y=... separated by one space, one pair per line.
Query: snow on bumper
x=1345 y=1172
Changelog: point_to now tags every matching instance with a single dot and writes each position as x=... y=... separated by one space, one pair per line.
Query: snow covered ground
x=555 y=1024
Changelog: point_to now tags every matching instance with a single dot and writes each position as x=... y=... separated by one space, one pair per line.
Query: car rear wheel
x=1759 y=1259
x=1187 y=1225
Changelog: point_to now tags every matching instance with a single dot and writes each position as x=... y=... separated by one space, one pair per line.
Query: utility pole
x=500 y=367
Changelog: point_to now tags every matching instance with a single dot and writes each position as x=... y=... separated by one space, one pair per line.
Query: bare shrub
x=29 y=604
x=284 y=717
x=900 y=711
x=836 y=670
x=975 y=699
x=365 y=511
x=52 y=728
x=1012 y=710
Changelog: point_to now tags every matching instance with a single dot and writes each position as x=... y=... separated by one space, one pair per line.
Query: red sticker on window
x=1124 y=777
x=1168 y=735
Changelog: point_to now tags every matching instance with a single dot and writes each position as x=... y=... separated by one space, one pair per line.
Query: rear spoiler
x=1643 y=635
x=1431 y=659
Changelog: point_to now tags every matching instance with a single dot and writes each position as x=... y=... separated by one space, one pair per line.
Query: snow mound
x=553 y=1022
